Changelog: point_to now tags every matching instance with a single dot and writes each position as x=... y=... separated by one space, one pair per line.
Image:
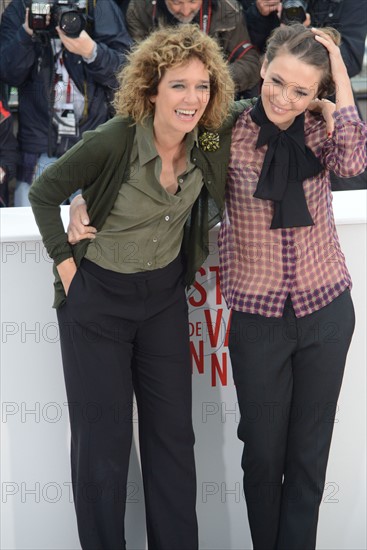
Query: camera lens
x=294 y=11
x=72 y=23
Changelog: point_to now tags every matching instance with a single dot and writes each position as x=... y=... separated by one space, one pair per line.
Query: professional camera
x=294 y=11
x=69 y=15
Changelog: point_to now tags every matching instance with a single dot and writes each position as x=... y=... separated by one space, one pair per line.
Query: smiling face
x=184 y=10
x=289 y=87
x=183 y=95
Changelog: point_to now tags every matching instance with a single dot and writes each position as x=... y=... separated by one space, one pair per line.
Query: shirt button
x=155 y=239
x=180 y=180
x=166 y=218
x=149 y=264
x=209 y=182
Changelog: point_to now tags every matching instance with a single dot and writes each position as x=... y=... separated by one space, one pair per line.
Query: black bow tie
x=288 y=162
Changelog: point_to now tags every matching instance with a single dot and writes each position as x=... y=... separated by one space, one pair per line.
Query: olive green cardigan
x=97 y=165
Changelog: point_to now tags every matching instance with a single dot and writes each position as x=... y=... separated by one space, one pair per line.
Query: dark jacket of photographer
x=27 y=64
x=226 y=24
x=349 y=17
x=9 y=156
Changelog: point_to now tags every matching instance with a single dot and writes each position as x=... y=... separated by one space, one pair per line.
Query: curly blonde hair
x=165 y=49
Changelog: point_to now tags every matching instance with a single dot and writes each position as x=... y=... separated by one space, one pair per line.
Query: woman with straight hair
x=284 y=277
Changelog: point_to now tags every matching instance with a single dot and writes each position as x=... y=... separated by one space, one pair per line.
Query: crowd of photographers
x=62 y=56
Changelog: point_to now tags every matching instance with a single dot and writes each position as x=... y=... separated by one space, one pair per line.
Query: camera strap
x=239 y=51
x=206 y=16
x=46 y=69
x=67 y=97
x=90 y=7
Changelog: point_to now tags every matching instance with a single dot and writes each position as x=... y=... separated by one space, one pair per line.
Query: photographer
x=349 y=17
x=65 y=83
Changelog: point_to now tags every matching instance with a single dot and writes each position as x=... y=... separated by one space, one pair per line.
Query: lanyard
x=206 y=16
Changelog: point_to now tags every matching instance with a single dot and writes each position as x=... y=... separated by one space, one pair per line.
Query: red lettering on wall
x=213 y=334
x=201 y=290
x=217 y=370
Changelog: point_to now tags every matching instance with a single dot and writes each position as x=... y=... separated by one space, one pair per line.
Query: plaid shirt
x=259 y=267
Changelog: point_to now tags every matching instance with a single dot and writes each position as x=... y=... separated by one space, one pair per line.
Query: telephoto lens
x=71 y=22
x=293 y=11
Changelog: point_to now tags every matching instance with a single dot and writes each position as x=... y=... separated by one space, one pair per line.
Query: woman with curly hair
x=120 y=293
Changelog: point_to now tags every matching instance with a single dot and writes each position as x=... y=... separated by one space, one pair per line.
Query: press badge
x=66 y=121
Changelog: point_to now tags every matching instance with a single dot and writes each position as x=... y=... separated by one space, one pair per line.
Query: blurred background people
x=221 y=19
x=349 y=17
x=65 y=78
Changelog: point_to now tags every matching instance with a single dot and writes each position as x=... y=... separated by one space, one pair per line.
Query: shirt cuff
x=346 y=113
x=93 y=56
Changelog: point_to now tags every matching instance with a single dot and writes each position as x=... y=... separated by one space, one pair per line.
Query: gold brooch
x=209 y=141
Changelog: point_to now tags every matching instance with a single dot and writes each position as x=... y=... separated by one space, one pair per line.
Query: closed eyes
x=298 y=92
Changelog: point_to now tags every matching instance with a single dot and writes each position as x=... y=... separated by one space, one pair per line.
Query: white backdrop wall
x=36 y=499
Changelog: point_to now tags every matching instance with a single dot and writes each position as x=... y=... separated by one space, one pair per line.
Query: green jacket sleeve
x=237 y=108
x=75 y=170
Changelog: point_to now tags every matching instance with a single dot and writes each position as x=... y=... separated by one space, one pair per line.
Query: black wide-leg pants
x=122 y=333
x=288 y=373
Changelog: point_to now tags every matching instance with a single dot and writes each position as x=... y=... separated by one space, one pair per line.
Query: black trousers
x=122 y=333
x=288 y=373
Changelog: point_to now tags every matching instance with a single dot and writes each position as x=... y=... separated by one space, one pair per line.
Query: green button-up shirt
x=98 y=164
x=144 y=229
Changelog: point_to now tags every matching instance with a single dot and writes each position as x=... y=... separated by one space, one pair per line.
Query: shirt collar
x=145 y=141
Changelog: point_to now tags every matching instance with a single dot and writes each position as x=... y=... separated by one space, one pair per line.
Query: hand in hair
x=344 y=94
